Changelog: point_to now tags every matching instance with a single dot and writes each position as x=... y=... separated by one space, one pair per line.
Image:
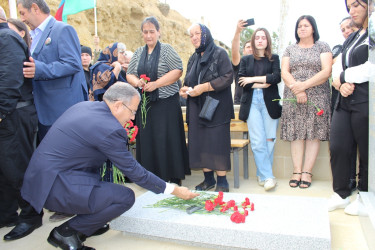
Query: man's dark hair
x=313 y=24
x=41 y=4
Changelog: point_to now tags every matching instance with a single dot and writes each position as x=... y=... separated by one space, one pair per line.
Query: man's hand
x=29 y=68
x=184 y=193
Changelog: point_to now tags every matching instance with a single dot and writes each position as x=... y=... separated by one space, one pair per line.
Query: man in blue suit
x=63 y=172
x=55 y=63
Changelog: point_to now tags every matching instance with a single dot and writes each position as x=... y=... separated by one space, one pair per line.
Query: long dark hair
x=364 y=1
x=313 y=24
x=268 y=50
x=21 y=26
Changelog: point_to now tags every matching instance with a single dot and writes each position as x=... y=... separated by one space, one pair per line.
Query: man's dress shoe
x=21 y=230
x=72 y=242
x=100 y=231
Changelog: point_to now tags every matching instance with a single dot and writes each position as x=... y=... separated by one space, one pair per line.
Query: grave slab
x=278 y=222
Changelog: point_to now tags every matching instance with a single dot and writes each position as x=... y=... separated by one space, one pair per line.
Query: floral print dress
x=300 y=121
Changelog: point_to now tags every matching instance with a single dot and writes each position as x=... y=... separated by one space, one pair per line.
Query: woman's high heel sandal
x=292 y=181
x=306 y=183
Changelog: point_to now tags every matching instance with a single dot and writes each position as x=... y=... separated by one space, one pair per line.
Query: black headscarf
x=208 y=47
x=148 y=65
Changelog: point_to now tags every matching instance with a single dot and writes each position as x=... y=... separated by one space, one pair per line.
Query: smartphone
x=249 y=22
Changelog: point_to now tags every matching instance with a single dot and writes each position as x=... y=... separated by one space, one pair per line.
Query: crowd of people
x=63 y=108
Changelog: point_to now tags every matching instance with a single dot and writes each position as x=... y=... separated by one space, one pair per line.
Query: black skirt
x=161 y=145
x=209 y=147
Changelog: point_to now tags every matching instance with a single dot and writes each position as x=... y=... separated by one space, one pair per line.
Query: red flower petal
x=321 y=112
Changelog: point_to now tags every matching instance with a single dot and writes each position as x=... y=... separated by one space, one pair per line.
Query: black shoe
x=100 y=231
x=221 y=189
x=204 y=186
x=72 y=242
x=21 y=230
x=352 y=185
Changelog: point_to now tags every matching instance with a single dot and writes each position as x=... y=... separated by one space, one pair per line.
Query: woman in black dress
x=209 y=72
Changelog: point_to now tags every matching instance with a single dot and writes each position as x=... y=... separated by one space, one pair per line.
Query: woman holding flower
x=209 y=72
x=259 y=75
x=154 y=69
x=305 y=69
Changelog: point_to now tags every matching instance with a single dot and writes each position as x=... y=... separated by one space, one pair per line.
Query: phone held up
x=249 y=22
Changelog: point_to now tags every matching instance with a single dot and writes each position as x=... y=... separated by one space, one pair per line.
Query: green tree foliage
x=275 y=42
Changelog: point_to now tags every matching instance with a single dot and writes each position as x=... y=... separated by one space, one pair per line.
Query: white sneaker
x=356 y=208
x=269 y=183
x=336 y=202
x=261 y=183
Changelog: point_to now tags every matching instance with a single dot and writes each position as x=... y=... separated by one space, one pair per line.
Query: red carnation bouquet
x=209 y=203
x=131 y=130
x=145 y=101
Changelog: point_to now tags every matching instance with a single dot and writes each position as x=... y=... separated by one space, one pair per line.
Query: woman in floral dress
x=305 y=69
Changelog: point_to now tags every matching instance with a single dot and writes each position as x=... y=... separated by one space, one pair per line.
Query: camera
x=249 y=22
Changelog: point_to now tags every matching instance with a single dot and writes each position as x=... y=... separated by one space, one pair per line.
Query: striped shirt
x=168 y=60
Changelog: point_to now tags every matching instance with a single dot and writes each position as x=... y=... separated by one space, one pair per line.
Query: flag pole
x=96 y=25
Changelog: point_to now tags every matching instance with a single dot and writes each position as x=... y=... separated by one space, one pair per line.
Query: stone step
x=278 y=222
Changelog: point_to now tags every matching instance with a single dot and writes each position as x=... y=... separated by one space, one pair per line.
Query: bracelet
x=340 y=87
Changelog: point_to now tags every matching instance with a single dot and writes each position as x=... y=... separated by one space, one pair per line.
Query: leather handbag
x=209 y=108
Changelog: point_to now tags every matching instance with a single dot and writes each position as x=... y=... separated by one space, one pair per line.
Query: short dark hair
x=244 y=45
x=153 y=20
x=311 y=20
x=41 y=4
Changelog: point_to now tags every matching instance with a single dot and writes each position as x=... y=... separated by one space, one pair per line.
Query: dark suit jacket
x=59 y=80
x=75 y=148
x=273 y=77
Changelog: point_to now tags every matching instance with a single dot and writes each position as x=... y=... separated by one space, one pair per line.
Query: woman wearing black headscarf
x=161 y=144
x=209 y=72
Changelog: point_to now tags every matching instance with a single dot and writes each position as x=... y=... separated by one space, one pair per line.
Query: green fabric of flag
x=74 y=6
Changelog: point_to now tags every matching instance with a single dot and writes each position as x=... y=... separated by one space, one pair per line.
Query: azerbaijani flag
x=70 y=7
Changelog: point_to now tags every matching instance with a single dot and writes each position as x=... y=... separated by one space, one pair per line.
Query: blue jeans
x=262 y=127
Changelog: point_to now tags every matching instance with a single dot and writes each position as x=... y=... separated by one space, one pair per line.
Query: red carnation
x=320 y=112
x=209 y=206
x=237 y=217
x=231 y=203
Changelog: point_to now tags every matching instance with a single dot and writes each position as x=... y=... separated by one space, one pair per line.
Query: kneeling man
x=63 y=174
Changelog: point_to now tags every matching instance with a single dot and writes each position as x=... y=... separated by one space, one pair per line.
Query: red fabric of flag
x=59 y=11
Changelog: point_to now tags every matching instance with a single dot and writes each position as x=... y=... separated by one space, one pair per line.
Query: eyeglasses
x=133 y=112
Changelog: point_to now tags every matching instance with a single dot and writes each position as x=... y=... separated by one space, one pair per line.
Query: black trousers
x=349 y=126
x=107 y=201
x=17 y=134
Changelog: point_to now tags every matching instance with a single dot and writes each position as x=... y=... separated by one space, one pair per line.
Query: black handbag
x=209 y=108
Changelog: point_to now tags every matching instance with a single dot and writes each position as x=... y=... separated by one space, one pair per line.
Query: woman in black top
x=209 y=72
x=350 y=120
x=259 y=75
